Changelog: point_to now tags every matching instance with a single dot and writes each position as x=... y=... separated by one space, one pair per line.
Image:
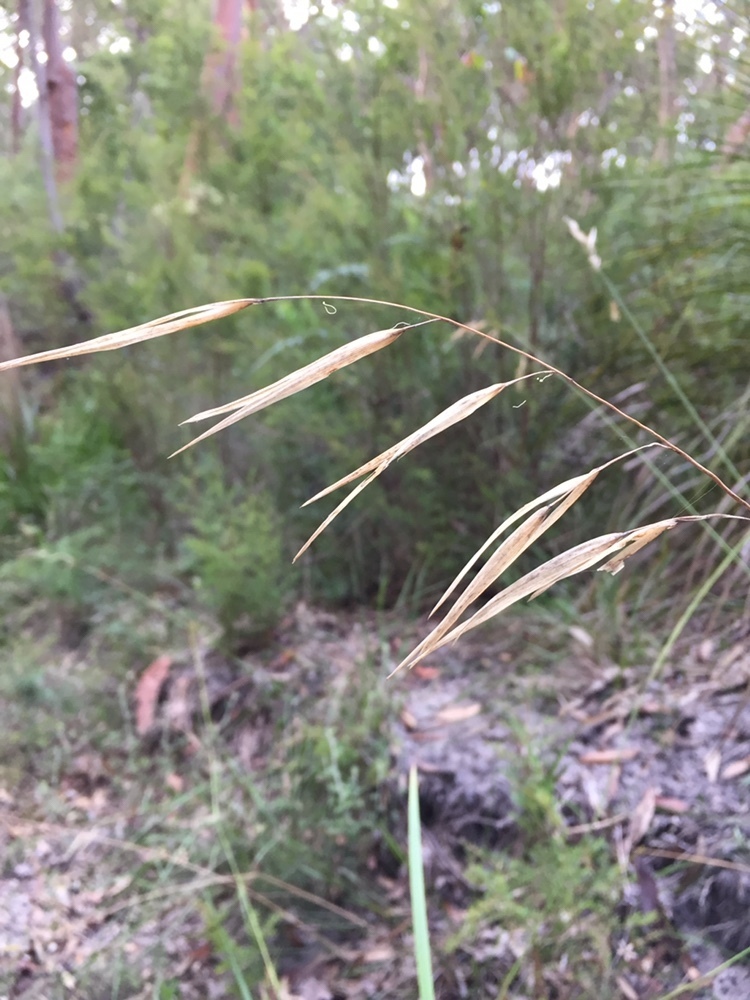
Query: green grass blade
x=422 y=951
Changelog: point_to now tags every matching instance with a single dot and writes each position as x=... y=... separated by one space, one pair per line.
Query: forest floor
x=585 y=829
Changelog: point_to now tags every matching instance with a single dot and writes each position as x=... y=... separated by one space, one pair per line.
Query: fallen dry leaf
x=424 y=673
x=642 y=817
x=147 y=692
x=409 y=720
x=581 y=636
x=284 y=659
x=310 y=988
x=626 y=989
x=736 y=768
x=379 y=953
x=671 y=805
x=175 y=781
x=706 y=650
x=712 y=764
x=459 y=713
x=614 y=755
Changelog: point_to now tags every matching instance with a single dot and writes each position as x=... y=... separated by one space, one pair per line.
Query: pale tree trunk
x=51 y=115
x=46 y=147
x=16 y=111
x=220 y=80
x=666 y=49
x=62 y=97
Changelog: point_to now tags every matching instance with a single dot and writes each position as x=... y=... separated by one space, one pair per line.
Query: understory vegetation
x=544 y=210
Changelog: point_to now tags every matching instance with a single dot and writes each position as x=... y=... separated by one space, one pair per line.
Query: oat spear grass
x=197 y=315
x=608 y=552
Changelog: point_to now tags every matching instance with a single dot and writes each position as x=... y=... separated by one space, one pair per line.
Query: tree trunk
x=666 y=45
x=62 y=97
x=46 y=146
x=221 y=70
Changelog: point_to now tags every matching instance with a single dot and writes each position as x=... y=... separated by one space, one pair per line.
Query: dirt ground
x=660 y=772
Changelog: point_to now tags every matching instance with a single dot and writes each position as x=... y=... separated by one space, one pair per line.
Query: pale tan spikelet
x=293 y=383
x=567 y=487
x=335 y=513
x=302 y=378
x=135 y=334
x=506 y=554
x=453 y=414
x=615 y=547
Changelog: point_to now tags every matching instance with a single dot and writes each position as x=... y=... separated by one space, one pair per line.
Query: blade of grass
x=706 y=978
x=422 y=953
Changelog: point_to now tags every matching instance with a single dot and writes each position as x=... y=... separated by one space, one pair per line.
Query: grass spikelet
x=182 y=320
x=615 y=547
x=296 y=381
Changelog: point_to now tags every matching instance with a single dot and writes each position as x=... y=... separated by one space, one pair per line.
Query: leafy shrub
x=235 y=549
x=75 y=512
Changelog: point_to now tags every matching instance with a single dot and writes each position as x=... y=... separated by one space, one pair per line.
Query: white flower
x=587 y=241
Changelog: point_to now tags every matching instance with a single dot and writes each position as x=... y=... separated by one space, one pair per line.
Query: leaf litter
x=65 y=899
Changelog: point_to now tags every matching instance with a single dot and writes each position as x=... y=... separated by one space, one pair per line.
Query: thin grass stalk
x=689 y=611
x=670 y=378
x=705 y=979
x=670 y=487
x=530 y=357
x=215 y=310
x=422 y=952
x=509 y=979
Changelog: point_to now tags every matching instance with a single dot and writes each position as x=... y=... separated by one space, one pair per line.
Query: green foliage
x=556 y=902
x=338 y=765
x=235 y=549
x=242 y=962
x=77 y=513
x=311 y=190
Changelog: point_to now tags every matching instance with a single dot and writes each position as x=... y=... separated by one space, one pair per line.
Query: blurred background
x=161 y=154
x=422 y=153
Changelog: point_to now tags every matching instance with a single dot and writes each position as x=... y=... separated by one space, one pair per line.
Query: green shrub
x=235 y=551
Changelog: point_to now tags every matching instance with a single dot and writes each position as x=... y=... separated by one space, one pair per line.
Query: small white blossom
x=587 y=241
